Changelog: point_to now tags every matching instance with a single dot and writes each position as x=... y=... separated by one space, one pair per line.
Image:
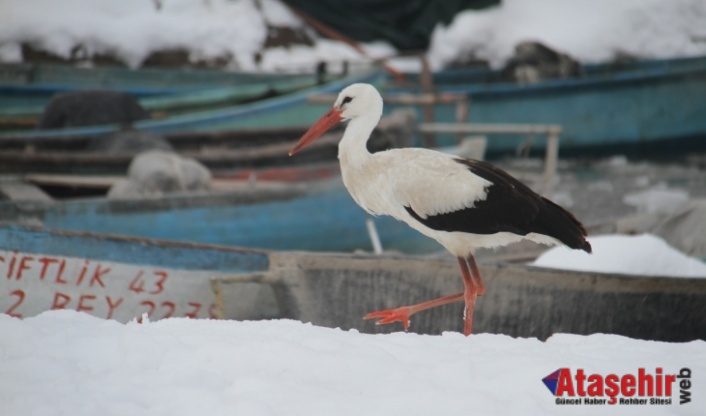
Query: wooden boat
x=48 y=79
x=262 y=215
x=311 y=211
x=25 y=110
x=282 y=111
x=337 y=290
x=614 y=107
x=122 y=278
x=235 y=154
x=112 y=277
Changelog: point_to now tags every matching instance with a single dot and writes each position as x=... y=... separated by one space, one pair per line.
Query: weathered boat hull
x=47 y=79
x=522 y=301
x=624 y=109
x=319 y=216
x=122 y=278
x=24 y=111
x=224 y=151
x=112 y=277
x=283 y=111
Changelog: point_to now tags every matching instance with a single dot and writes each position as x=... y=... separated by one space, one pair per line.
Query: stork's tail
x=563 y=225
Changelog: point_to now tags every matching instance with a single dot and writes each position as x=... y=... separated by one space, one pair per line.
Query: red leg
x=475 y=274
x=403 y=313
x=473 y=286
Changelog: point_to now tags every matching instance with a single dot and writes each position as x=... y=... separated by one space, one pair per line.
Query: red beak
x=328 y=120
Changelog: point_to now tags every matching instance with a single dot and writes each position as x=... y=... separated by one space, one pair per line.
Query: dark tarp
x=406 y=24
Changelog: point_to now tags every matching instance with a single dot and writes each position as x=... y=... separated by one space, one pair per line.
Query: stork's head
x=355 y=101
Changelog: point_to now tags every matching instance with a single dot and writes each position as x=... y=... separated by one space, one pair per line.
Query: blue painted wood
x=26 y=88
x=131 y=250
x=325 y=219
x=17 y=103
x=608 y=106
x=47 y=79
x=283 y=111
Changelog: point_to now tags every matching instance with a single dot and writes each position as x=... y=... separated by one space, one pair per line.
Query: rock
x=86 y=108
x=155 y=173
x=534 y=62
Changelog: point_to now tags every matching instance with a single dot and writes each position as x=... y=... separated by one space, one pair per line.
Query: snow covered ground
x=68 y=363
x=590 y=30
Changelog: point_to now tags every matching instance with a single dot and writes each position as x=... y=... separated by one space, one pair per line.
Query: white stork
x=461 y=203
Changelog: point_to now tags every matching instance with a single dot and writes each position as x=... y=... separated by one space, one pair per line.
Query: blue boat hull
x=323 y=220
x=113 y=277
x=134 y=251
x=651 y=102
x=283 y=111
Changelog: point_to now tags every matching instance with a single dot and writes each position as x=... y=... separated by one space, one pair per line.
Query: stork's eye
x=346 y=100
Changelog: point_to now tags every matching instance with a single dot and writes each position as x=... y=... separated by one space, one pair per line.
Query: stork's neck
x=353 y=150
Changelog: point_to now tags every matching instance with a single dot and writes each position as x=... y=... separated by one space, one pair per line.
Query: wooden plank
x=402 y=99
x=77 y=181
x=105 y=182
x=551 y=130
x=490 y=128
x=427 y=84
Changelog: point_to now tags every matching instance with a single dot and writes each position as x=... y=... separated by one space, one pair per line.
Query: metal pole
x=550 y=162
x=374 y=237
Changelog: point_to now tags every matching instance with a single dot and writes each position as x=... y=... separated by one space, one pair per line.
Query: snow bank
x=589 y=30
x=133 y=29
x=645 y=255
x=657 y=200
x=68 y=363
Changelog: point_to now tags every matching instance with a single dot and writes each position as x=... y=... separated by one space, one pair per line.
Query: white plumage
x=463 y=204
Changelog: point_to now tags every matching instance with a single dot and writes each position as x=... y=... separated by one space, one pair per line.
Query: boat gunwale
x=30 y=236
x=693 y=67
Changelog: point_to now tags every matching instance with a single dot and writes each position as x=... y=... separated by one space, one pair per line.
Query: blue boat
x=113 y=277
x=124 y=278
x=283 y=111
x=319 y=216
x=618 y=107
x=43 y=80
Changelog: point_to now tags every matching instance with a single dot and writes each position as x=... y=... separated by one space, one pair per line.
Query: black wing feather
x=509 y=206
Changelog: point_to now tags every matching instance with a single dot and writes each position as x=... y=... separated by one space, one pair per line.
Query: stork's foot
x=403 y=313
x=389 y=316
